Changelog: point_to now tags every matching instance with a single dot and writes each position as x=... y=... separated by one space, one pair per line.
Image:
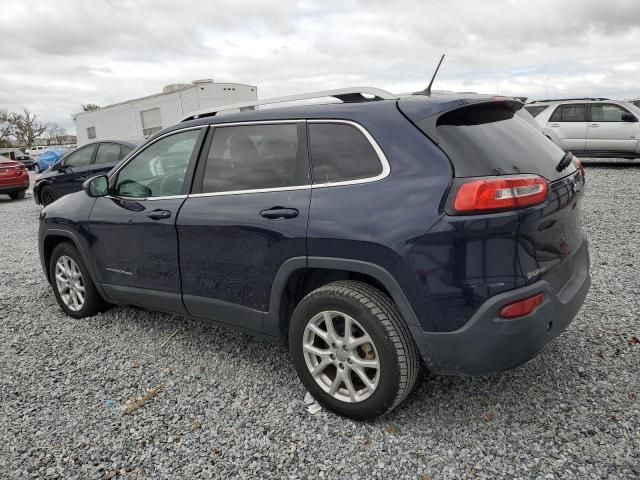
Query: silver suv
x=595 y=127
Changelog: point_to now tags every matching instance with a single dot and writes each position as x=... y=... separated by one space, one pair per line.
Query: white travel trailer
x=135 y=120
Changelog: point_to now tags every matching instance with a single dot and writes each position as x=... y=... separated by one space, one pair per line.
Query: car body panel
x=13 y=176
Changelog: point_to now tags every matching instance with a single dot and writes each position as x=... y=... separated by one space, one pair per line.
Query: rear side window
x=490 y=139
x=535 y=110
x=340 y=152
x=253 y=157
x=570 y=113
x=107 y=152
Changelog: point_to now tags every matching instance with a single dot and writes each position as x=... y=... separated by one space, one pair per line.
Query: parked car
x=66 y=175
x=595 y=127
x=36 y=150
x=48 y=159
x=370 y=234
x=18 y=155
x=14 y=178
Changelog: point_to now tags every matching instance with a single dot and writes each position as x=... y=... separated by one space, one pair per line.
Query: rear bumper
x=489 y=344
x=13 y=188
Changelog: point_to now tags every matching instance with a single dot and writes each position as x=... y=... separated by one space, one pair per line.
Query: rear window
x=535 y=110
x=340 y=152
x=490 y=139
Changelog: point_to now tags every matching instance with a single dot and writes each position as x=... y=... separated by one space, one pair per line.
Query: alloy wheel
x=341 y=356
x=70 y=283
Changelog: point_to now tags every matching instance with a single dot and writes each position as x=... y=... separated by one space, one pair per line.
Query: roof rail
x=596 y=99
x=347 y=95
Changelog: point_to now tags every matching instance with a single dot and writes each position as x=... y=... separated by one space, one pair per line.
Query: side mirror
x=628 y=117
x=97 y=186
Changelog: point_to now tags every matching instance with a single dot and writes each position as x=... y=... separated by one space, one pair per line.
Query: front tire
x=72 y=285
x=47 y=195
x=352 y=350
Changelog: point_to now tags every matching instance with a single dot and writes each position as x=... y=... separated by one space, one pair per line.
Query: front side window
x=91 y=133
x=108 y=152
x=251 y=157
x=570 y=113
x=81 y=158
x=607 y=113
x=340 y=152
x=158 y=170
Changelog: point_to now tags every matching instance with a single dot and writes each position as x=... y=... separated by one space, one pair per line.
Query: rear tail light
x=522 y=307
x=578 y=164
x=500 y=193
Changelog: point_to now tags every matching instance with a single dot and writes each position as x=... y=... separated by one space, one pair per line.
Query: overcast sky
x=55 y=56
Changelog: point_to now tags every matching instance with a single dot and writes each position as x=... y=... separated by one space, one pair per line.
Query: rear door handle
x=159 y=214
x=594 y=125
x=555 y=124
x=279 y=212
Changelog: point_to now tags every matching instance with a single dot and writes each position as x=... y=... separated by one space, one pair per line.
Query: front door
x=246 y=215
x=74 y=170
x=135 y=246
x=569 y=122
x=608 y=131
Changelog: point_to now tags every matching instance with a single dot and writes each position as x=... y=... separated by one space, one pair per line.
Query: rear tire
x=17 y=195
x=362 y=375
x=36 y=168
x=47 y=195
x=72 y=285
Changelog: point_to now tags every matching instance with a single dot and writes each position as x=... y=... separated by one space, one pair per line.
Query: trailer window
x=91 y=133
x=151 y=121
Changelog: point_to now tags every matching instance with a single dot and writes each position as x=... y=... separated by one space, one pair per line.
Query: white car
x=594 y=127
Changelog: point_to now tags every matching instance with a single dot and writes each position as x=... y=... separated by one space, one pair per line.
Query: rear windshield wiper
x=565 y=161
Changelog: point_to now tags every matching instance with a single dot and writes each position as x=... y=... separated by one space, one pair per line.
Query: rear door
x=569 y=122
x=608 y=131
x=135 y=246
x=246 y=215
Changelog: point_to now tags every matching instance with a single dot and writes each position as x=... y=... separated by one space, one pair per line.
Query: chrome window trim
x=386 y=169
x=124 y=164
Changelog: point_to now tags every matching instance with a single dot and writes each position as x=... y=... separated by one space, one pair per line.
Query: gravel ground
x=231 y=405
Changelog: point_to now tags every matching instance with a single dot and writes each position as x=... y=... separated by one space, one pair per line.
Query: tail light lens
x=500 y=193
x=578 y=164
x=522 y=307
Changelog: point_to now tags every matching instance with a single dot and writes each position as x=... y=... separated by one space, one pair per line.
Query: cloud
x=56 y=56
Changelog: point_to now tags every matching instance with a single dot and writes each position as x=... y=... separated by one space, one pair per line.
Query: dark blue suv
x=375 y=235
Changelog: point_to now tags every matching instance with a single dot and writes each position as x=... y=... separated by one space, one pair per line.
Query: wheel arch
x=299 y=276
x=54 y=237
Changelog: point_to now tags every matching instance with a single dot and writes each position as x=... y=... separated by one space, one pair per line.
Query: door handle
x=594 y=125
x=555 y=124
x=279 y=212
x=158 y=214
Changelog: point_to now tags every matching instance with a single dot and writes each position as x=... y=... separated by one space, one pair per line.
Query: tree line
x=23 y=128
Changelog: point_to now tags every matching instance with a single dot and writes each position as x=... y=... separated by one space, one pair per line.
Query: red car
x=14 y=179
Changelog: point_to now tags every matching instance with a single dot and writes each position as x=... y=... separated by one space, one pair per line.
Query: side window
x=255 y=157
x=607 y=113
x=159 y=169
x=340 y=152
x=81 y=158
x=124 y=151
x=535 y=110
x=108 y=153
x=91 y=133
x=570 y=113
